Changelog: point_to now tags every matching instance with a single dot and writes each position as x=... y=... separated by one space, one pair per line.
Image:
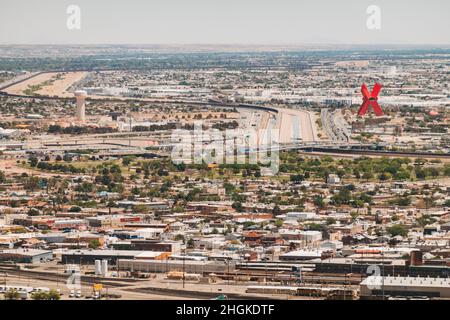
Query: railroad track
x=48 y=276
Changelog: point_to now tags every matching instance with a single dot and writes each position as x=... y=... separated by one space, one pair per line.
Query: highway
x=334 y=126
x=297 y=129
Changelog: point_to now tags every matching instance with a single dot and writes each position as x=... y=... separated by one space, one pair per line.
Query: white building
x=301 y=255
x=331 y=245
x=333 y=179
x=300 y=215
x=311 y=236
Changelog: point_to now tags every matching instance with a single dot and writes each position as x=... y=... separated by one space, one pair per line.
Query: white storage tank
x=98 y=267
x=104 y=268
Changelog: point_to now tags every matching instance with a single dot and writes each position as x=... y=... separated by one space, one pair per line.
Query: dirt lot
x=297 y=120
x=52 y=84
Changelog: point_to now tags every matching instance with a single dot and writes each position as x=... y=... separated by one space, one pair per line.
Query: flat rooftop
x=25 y=252
x=407 y=282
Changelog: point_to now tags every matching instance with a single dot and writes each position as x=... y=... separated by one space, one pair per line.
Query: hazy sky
x=224 y=22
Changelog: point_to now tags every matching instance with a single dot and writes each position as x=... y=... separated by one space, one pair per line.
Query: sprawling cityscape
x=224 y=172
x=91 y=190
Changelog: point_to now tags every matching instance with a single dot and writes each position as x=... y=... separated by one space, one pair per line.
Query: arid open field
x=48 y=84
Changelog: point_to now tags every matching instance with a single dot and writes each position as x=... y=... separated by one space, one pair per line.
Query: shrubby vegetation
x=79 y=130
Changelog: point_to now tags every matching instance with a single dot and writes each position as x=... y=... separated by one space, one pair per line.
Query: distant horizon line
x=236 y=44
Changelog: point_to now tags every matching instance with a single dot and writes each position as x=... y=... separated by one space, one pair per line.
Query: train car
x=272 y=290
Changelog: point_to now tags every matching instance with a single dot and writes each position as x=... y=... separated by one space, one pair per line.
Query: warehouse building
x=374 y=286
x=25 y=255
x=148 y=245
x=391 y=268
x=164 y=266
x=89 y=256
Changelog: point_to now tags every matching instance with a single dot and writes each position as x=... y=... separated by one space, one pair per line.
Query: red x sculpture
x=370 y=100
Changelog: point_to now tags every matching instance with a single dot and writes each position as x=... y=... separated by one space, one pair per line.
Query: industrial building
x=405 y=286
x=343 y=265
x=89 y=256
x=25 y=255
x=148 y=245
x=163 y=266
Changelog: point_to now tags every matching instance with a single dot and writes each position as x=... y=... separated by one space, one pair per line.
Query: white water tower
x=81 y=96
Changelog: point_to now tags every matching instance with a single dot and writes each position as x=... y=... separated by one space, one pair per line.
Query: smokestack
x=416 y=258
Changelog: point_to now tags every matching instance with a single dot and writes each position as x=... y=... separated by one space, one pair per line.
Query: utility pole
x=382 y=266
x=228 y=272
x=184 y=266
x=345 y=281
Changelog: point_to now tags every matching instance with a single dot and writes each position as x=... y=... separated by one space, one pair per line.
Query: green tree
x=402 y=201
x=397 y=230
x=126 y=161
x=31 y=183
x=296 y=178
x=425 y=220
x=179 y=237
x=279 y=223
x=85 y=187
x=276 y=210
x=318 y=201
x=33 y=212
x=384 y=176
x=428 y=201
x=140 y=208
x=420 y=173
x=237 y=206
x=12 y=294
x=51 y=295
x=75 y=209
x=33 y=161
x=94 y=244
x=229 y=188
x=367 y=176
x=343 y=197
x=190 y=243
